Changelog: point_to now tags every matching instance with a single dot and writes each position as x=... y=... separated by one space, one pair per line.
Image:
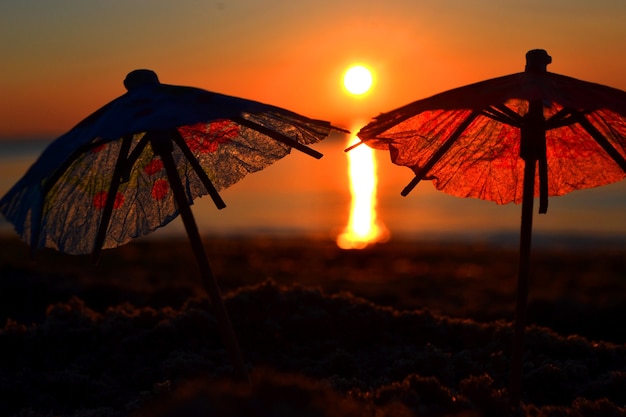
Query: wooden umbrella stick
x=163 y=147
x=517 y=356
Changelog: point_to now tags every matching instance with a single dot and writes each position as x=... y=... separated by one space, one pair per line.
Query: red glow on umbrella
x=98 y=148
x=206 y=137
x=154 y=166
x=160 y=189
x=100 y=199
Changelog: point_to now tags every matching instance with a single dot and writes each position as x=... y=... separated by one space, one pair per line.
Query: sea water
x=299 y=195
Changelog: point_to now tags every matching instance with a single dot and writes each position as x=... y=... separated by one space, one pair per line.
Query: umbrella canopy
x=61 y=202
x=510 y=139
x=467 y=140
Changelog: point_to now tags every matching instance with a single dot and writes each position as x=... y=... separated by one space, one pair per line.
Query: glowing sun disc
x=358 y=80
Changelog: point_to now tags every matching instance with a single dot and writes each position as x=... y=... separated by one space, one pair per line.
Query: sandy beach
x=399 y=329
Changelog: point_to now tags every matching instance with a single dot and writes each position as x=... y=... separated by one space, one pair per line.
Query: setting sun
x=358 y=80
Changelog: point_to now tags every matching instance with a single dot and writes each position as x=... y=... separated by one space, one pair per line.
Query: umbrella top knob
x=537 y=60
x=139 y=78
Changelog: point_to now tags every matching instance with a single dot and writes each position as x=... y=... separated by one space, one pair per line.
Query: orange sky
x=63 y=61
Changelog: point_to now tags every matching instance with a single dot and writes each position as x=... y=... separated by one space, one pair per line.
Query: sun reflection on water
x=363 y=228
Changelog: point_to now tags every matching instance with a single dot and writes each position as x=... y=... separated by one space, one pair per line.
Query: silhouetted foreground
x=397 y=330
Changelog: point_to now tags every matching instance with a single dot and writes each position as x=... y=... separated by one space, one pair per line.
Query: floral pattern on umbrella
x=60 y=202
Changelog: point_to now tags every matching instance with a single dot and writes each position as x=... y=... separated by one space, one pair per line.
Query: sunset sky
x=62 y=60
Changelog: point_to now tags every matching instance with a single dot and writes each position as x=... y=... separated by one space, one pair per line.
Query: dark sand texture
x=401 y=329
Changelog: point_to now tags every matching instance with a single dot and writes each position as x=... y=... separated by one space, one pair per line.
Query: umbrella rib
x=120 y=166
x=120 y=174
x=277 y=136
x=497 y=116
x=502 y=114
x=601 y=140
x=134 y=155
x=543 y=183
x=515 y=118
x=560 y=119
x=440 y=152
x=349 y=148
x=195 y=164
